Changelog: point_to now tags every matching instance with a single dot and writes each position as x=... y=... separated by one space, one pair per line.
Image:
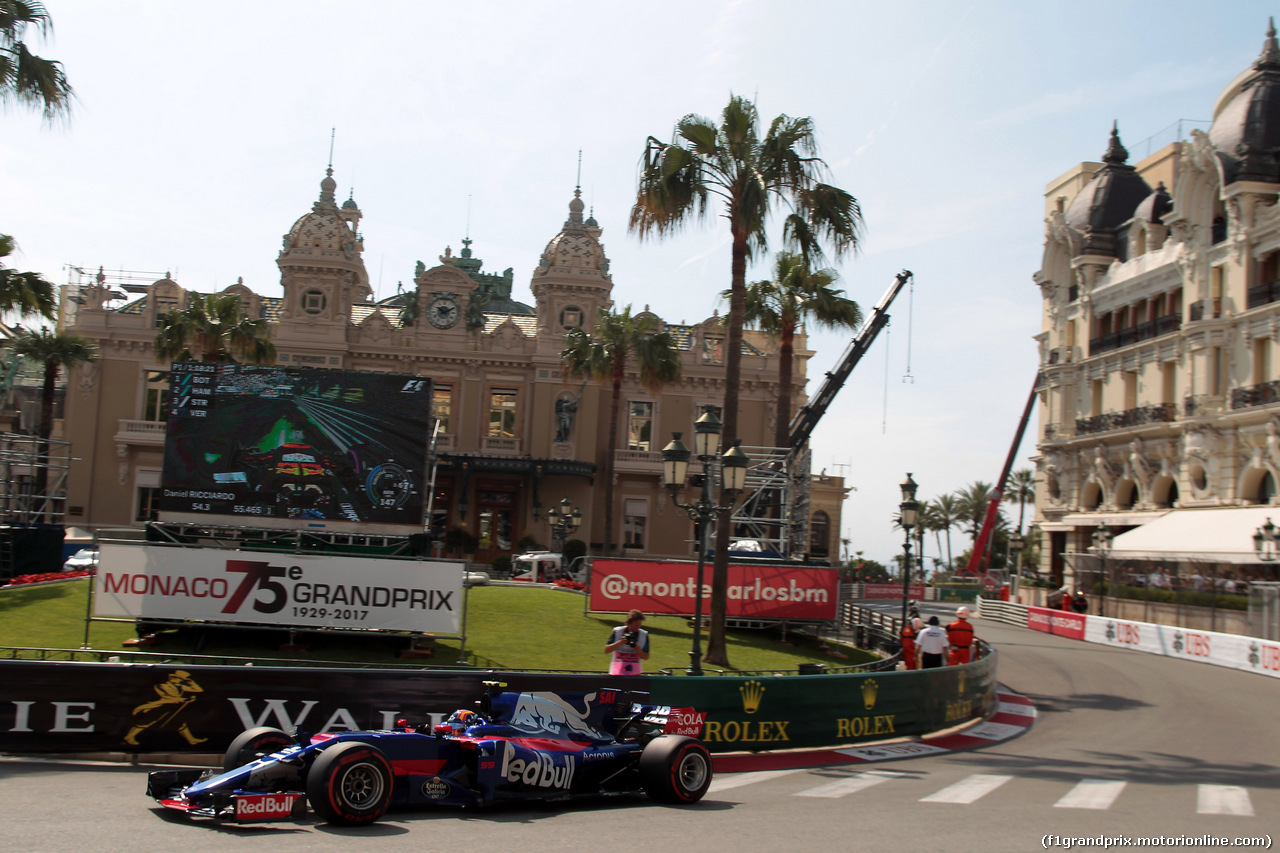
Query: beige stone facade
x=1160 y=382
x=515 y=437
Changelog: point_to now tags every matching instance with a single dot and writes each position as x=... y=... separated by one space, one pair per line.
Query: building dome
x=1155 y=206
x=1246 y=122
x=323 y=231
x=1107 y=202
x=576 y=250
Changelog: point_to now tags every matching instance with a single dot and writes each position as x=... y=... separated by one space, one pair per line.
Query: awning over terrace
x=1223 y=535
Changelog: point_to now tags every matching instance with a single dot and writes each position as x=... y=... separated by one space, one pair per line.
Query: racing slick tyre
x=675 y=769
x=350 y=784
x=252 y=744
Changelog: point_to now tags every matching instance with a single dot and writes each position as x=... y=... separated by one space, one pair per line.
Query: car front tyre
x=252 y=744
x=350 y=784
x=675 y=769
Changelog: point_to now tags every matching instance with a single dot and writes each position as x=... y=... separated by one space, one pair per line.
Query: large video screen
x=301 y=447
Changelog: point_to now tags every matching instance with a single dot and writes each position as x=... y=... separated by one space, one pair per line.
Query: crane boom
x=803 y=424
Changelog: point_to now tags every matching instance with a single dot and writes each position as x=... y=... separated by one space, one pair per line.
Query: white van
x=545 y=567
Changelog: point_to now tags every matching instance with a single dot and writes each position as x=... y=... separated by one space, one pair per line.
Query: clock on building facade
x=443 y=311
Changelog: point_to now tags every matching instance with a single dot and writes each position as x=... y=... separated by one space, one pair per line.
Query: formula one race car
x=515 y=746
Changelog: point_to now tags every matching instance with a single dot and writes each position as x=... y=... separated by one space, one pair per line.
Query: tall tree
x=1021 y=490
x=748 y=174
x=606 y=353
x=27 y=79
x=973 y=501
x=945 y=511
x=55 y=350
x=27 y=293
x=214 y=327
x=797 y=294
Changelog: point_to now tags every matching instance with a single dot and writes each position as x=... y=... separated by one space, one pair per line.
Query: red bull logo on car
x=537 y=770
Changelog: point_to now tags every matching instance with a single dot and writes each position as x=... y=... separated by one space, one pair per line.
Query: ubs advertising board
x=756 y=591
x=290 y=590
x=296 y=447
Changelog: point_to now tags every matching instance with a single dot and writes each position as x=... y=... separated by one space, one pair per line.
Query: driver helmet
x=462 y=719
x=962 y=612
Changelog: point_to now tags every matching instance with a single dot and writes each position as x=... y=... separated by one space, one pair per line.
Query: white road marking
x=851 y=784
x=968 y=790
x=737 y=780
x=1091 y=794
x=1224 y=799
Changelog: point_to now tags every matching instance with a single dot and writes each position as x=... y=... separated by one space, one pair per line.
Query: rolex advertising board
x=296 y=447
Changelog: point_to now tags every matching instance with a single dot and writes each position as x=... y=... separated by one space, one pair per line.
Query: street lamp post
x=1016 y=544
x=908 y=513
x=564 y=519
x=1264 y=541
x=1102 y=547
x=675 y=467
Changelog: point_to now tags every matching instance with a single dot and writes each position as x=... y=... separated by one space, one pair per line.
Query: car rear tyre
x=350 y=784
x=675 y=769
x=252 y=744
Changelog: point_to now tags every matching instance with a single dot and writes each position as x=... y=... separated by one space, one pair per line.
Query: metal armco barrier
x=110 y=707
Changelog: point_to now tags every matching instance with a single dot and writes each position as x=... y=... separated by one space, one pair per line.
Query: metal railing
x=1159 y=413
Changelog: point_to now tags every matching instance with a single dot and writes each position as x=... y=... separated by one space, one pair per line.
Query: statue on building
x=1139 y=468
x=566 y=408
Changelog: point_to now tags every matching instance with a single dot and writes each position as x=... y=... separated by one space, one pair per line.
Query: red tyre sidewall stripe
x=675 y=772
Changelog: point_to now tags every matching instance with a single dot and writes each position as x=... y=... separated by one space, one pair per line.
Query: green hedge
x=1188 y=598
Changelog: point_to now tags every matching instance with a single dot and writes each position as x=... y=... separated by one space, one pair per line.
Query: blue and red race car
x=514 y=746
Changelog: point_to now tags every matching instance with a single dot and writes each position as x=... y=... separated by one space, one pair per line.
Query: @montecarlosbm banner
x=292 y=590
x=301 y=447
x=755 y=591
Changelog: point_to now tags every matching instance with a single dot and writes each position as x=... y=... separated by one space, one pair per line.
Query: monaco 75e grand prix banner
x=756 y=591
x=295 y=590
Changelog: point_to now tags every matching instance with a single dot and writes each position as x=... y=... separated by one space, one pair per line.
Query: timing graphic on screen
x=296 y=443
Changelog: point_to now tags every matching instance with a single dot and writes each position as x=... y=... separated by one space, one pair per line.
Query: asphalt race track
x=1126 y=745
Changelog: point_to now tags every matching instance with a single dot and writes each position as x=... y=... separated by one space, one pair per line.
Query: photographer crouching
x=629 y=644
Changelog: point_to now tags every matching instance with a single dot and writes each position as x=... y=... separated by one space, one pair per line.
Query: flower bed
x=45 y=577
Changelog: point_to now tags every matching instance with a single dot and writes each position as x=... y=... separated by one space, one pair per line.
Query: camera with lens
x=631 y=638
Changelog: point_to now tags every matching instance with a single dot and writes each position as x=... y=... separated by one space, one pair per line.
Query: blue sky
x=202 y=132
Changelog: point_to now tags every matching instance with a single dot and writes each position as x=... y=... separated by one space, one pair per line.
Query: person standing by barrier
x=931 y=646
x=910 y=629
x=960 y=637
x=629 y=645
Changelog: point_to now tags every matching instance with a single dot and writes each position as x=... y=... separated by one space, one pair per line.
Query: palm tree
x=973 y=501
x=26 y=78
x=749 y=174
x=24 y=292
x=945 y=512
x=605 y=354
x=1021 y=490
x=54 y=350
x=214 y=327
x=796 y=295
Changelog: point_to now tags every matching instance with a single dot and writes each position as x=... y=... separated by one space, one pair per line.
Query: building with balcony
x=515 y=435
x=1161 y=292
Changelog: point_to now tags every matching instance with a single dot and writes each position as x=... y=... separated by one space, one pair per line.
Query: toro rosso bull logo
x=552 y=715
x=537 y=769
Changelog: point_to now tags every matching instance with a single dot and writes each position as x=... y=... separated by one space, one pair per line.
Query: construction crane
x=803 y=424
x=777 y=512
